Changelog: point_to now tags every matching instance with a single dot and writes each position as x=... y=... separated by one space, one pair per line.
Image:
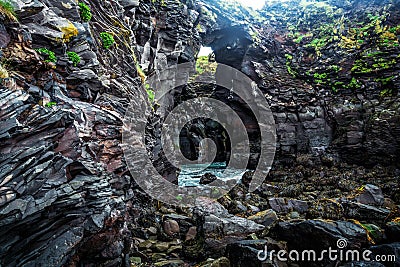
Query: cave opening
x=194 y=132
x=225 y=46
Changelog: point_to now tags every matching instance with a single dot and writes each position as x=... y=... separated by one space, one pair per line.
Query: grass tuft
x=7 y=9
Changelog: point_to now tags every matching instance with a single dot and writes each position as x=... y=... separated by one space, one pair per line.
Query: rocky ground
x=329 y=70
x=297 y=208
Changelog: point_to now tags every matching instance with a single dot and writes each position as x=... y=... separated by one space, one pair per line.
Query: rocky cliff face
x=342 y=63
x=330 y=71
x=66 y=194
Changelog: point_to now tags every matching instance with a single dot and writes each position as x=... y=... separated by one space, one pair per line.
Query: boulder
x=266 y=217
x=171 y=227
x=207 y=178
x=283 y=205
x=371 y=195
x=221 y=228
x=389 y=254
x=321 y=234
x=392 y=230
x=251 y=253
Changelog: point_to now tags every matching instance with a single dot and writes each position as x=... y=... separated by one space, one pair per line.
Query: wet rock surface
x=329 y=70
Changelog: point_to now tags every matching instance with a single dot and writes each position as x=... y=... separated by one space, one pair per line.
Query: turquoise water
x=190 y=174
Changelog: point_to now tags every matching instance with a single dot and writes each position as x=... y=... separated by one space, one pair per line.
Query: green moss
x=51 y=104
x=335 y=68
x=288 y=67
x=162 y=2
x=298 y=37
x=373 y=18
x=386 y=92
x=74 y=57
x=384 y=80
x=394 y=29
x=378 y=64
x=320 y=76
x=107 y=39
x=200 y=63
x=354 y=84
x=203 y=65
x=151 y=95
x=8 y=10
x=318 y=44
x=336 y=85
x=50 y=56
x=85 y=12
x=288 y=57
x=3 y=73
x=140 y=72
x=374 y=54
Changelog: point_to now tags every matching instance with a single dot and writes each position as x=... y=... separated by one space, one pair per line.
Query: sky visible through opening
x=204 y=51
x=255 y=4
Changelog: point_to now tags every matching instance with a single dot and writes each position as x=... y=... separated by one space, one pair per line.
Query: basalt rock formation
x=329 y=71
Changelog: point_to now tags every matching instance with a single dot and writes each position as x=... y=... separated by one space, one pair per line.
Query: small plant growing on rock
x=107 y=39
x=7 y=9
x=3 y=73
x=51 y=57
x=203 y=64
x=74 y=57
x=150 y=93
x=140 y=72
x=84 y=10
x=162 y=2
x=50 y=104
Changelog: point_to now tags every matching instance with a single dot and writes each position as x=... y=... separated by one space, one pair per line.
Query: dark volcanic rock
x=74 y=196
x=221 y=228
x=207 y=178
x=389 y=254
x=328 y=69
x=266 y=218
x=359 y=211
x=286 y=205
x=392 y=230
x=321 y=234
x=371 y=195
x=247 y=252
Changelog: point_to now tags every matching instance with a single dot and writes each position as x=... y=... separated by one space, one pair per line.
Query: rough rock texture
x=66 y=194
x=330 y=71
x=331 y=80
x=220 y=228
x=323 y=234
